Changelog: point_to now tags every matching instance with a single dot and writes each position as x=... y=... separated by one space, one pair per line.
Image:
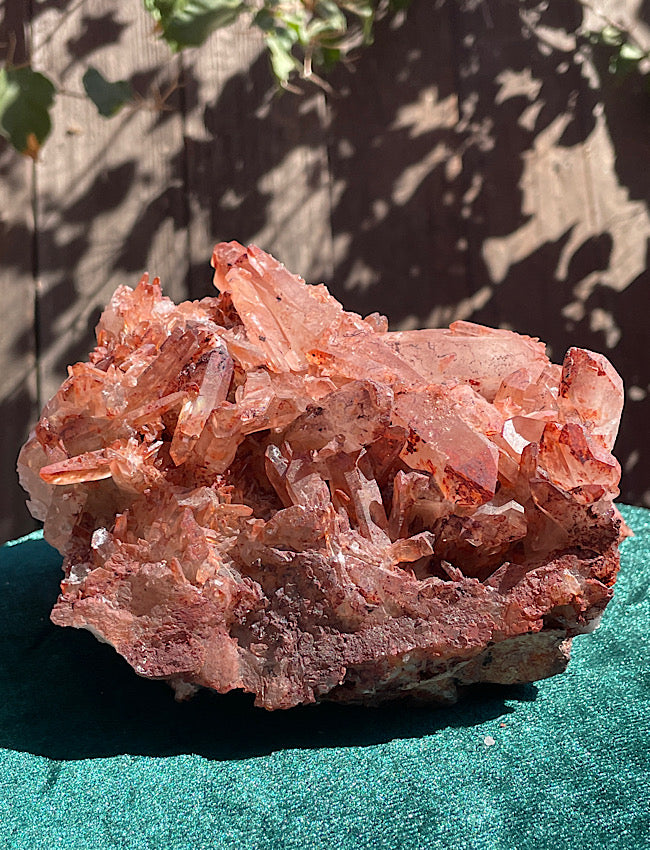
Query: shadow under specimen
x=66 y=696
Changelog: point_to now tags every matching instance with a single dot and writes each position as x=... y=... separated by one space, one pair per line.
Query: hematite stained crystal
x=263 y=491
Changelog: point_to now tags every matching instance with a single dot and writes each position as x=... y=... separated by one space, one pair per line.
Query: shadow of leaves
x=96 y=31
x=422 y=149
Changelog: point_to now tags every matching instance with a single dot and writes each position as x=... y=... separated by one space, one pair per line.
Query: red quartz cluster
x=263 y=491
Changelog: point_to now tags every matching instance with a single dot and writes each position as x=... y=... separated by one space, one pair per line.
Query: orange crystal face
x=263 y=491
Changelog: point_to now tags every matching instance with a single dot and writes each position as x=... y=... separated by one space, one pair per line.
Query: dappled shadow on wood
x=66 y=696
x=442 y=154
x=17 y=412
x=418 y=221
x=626 y=103
x=429 y=138
x=96 y=31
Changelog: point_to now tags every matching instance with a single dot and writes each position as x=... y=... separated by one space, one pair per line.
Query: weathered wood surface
x=18 y=344
x=477 y=162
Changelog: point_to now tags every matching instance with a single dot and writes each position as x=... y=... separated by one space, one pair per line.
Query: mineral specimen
x=263 y=491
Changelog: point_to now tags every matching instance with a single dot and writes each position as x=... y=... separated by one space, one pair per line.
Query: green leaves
x=609 y=35
x=301 y=36
x=26 y=97
x=304 y=35
x=280 y=36
x=627 y=59
x=109 y=98
x=283 y=62
x=188 y=23
x=364 y=10
x=625 y=54
x=25 y=100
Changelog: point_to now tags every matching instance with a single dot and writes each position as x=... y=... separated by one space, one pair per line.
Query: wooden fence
x=476 y=162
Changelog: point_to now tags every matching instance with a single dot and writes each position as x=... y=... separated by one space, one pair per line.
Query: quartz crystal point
x=263 y=491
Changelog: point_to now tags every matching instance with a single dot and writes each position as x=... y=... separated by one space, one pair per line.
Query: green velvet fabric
x=95 y=757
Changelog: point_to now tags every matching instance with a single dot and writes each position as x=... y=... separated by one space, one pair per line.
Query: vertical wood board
x=256 y=159
x=110 y=191
x=17 y=337
x=476 y=162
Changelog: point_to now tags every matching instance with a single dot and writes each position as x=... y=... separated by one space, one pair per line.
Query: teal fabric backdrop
x=94 y=757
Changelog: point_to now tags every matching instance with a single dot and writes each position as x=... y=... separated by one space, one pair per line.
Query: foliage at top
x=301 y=36
x=304 y=39
x=25 y=100
x=626 y=54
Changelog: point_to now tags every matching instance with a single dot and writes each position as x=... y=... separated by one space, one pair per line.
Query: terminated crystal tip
x=263 y=491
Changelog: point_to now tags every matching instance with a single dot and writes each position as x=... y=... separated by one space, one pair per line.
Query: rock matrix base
x=263 y=491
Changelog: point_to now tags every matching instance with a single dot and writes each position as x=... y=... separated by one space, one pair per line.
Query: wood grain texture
x=18 y=345
x=558 y=232
x=110 y=201
x=256 y=160
x=395 y=148
x=476 y=162
x=527 y=209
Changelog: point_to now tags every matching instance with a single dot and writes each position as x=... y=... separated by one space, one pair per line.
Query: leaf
x=283 y=62
x=364 y=10
x=264 y=19
x=297 y=26
x=281 y=33
x=331 y=15
x=626 y=61
x=328 y=23
x=611 y=36
x=188 y=23
x=25 y=100
x=329 y=57
x=109 y=98
x=632 y=52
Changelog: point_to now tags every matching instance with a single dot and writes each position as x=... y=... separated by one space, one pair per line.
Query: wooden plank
x=256 y=164
x=550 y=187
x=394 y=160
x=110 y=201
x=462 y=170
x=560 y=228
x=17 y=339
x=617 y=307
